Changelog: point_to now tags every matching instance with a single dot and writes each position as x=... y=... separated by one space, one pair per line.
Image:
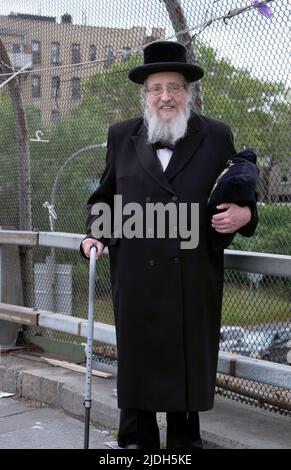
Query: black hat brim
x=191 y=72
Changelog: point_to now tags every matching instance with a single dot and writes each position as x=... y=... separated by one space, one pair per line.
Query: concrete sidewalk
x=230 y=425
x=26 y=424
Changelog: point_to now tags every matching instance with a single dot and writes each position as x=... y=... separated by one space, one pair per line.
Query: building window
x=35 y=86
x=55 y=115
x=126 y=54
x=109 y=55
x=16 y=48
x=76 y=53
x=92 y=52
x=56 y=87
x=36 y=52
x=56 y=53
x=76 y=88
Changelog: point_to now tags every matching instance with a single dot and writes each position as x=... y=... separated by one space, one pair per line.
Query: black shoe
x=130 y=446
x=196 y=445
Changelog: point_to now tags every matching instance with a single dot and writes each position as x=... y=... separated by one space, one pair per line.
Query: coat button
x=174 y=198
x=148 y=199
x=152 y=262
x=176 y=260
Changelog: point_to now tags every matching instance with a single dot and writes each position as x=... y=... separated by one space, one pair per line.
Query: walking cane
x=90 y=331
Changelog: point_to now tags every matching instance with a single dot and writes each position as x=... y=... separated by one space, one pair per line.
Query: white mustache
x=166 y=131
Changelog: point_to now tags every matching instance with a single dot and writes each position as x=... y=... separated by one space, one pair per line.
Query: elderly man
x=167 y=299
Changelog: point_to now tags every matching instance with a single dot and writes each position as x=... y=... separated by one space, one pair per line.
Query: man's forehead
x=165 y=77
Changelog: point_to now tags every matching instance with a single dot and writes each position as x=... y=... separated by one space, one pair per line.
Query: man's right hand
x=88 y=243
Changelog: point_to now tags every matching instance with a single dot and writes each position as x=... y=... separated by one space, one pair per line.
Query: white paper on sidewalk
x=6 y=395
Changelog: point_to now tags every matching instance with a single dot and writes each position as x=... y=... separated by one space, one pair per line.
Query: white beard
x=168 y=132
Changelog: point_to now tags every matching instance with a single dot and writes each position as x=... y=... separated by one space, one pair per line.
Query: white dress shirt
x=164 y=155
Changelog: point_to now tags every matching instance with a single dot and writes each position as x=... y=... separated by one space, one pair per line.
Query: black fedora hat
x=165 y=56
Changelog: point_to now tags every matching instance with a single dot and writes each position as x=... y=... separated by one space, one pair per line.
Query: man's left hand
x=231 y=219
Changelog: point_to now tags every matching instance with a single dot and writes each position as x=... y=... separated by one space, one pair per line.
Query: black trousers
x=140 y=427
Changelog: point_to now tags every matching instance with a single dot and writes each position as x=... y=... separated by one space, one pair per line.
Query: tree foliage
x=255 y=109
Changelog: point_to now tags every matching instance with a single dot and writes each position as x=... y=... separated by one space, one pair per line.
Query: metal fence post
x=10 y=291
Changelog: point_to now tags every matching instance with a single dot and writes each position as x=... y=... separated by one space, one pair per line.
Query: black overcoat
x=167 y=300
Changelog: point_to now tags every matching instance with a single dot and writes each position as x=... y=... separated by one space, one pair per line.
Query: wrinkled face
x=172 y=97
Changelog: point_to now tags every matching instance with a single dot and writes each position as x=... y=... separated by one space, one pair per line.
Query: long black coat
x=167 y=301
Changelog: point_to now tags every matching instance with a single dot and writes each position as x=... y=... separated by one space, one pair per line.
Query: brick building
x=50 y=51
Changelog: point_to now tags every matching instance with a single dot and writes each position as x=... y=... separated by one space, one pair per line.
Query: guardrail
x=264 y=263
x=232 y=364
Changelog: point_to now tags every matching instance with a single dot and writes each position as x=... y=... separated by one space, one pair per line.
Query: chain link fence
x=72 y=60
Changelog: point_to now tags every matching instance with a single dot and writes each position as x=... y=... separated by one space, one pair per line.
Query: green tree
x=108 y=96
x=256 y=110
x=8 y=164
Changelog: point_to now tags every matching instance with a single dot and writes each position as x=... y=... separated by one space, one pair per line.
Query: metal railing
x=265 y=263
x=234 y=365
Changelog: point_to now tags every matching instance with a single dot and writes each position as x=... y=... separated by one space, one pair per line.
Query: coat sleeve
x=104 y=195
x=249 y=229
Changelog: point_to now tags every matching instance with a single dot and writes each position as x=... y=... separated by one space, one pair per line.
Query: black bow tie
x=161 y=145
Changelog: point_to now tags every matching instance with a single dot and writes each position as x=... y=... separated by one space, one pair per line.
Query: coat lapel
x=185 y=149
x=183 y=152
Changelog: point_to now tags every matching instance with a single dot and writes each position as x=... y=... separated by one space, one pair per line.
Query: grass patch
x=241 y=305
x=103 y=310
x=246 y=307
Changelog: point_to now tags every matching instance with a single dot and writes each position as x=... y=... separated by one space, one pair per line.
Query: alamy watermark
x=154 y=220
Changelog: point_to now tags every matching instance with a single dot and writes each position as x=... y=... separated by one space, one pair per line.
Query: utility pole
x=25 y=217
x=179 y=23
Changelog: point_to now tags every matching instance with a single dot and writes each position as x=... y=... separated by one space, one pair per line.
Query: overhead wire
x=120 y=52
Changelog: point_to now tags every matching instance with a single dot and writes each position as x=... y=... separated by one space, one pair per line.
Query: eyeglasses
x=170 y=89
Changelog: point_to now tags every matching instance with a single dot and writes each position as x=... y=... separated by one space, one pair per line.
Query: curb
x=56 y=388
x=64 y=389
